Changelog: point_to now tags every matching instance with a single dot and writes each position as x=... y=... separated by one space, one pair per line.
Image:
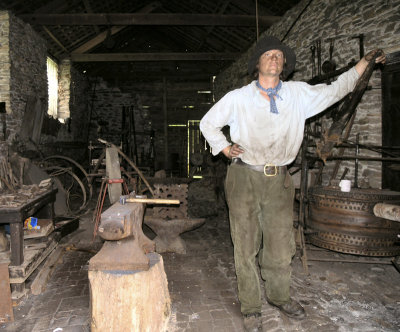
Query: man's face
x=271 y=63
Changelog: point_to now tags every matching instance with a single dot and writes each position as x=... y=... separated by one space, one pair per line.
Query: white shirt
x=268 y=137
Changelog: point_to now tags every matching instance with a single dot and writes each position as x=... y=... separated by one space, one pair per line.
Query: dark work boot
x=252 y=322
x=292 y=309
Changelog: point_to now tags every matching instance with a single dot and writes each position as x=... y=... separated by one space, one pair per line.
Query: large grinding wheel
x=113 y=171
x=345 y=221
x=196 y=159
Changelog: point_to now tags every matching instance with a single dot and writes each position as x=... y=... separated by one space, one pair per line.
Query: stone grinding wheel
x=113 y=171
x=196 y=159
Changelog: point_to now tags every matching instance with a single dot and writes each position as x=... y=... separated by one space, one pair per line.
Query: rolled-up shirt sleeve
x=317 y=98
x=215 y=119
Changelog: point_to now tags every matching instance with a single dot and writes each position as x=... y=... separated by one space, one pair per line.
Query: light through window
x=52 y=80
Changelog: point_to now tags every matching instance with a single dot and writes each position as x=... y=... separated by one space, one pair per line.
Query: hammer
x=129 y=199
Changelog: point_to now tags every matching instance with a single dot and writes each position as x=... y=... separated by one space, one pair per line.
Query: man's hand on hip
x=232 y=151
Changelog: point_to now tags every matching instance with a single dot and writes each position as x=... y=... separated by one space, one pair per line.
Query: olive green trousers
x=261 y=221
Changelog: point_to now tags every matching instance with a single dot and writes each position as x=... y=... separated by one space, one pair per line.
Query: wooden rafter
x=111 y=57
x=55 y=39
x=89 y=9
x=90 y=44
x=175 y=87
x=210 y=29
x=148 y=19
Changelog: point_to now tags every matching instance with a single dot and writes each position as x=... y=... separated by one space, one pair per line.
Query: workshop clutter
x=31 y=223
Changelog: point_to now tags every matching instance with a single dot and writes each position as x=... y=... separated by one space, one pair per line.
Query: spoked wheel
x=75 y=168
x=74 y=188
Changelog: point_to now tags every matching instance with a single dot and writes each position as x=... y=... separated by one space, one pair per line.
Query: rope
x=295 y=21
x=257 y=19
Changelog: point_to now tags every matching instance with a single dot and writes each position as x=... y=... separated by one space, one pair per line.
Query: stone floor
x=361 y=295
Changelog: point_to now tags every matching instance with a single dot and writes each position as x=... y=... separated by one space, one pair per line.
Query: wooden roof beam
x=55 y=6
x=55 y=39
x=112 y=57
x=221 y=11
x=90 y=44
x=88 y=8
x=148 y=19
x=174 y=87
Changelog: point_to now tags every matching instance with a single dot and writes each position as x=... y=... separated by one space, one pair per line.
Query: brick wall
x=379 y=21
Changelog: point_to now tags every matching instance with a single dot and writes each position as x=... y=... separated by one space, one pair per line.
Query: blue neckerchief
x=271 y=92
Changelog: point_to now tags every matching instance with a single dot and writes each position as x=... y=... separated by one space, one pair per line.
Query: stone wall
x=28 y=74
x=378 y=21
x=64 y=89
x=70 y=137
x=23 y=71
x=73 y=103
x=4 y=70
x=5 y=59
x=106 y=120
x=79 y=104
x=23 y=57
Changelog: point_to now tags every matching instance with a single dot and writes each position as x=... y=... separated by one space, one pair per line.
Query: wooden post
x=303 y=202
x=165 y=123
x=17 y=243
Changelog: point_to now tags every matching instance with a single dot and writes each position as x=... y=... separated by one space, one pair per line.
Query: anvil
x=126 y=245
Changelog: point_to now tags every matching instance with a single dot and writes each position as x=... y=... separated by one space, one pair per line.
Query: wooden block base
x=130 y=300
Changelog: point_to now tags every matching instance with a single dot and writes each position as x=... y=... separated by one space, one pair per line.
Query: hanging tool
x=319 y=56
x=124 y=139
x=312 y=48
x=132 y=133
x=329 y=65
x=346 y=170
x=3 y=120
x=346 y=112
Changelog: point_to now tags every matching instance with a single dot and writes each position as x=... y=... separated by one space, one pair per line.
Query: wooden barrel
x=345 y=221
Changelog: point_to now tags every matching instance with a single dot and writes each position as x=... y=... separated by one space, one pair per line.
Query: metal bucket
x=345 y=222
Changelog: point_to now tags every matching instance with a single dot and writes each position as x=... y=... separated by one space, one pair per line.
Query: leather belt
x=267 y=169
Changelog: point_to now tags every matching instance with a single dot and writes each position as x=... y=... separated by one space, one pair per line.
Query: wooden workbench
x=41 y=202
x=15 y=208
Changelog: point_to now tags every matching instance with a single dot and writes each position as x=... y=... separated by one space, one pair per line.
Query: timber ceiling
x=144 y=41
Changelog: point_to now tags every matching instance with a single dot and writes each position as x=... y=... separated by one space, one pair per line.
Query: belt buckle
x=270 y=165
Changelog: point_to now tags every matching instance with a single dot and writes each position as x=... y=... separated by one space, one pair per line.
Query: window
x=52 y=80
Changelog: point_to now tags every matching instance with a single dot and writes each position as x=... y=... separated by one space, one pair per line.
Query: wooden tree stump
x=130 y=300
